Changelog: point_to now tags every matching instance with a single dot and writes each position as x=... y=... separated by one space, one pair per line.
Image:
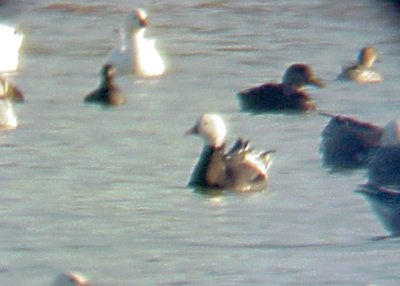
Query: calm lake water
x=104 y=191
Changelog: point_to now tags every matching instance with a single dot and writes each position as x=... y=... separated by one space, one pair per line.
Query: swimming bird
x=287 y=96
x=11 y=42
x=135 y=53
x=362 y=71
x=347 y=142
x=386 y=204
x=240 y=169
x=10 y=91
x=71 y=279
x=107 y=93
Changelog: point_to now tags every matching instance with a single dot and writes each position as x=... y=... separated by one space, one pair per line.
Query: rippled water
x=104 y=191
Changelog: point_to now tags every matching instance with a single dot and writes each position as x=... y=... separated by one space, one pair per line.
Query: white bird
x=9 y=49
x=71 y=279
x=135 y=53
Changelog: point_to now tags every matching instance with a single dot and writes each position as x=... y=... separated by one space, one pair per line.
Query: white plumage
x=135 y=53
x=9 y=49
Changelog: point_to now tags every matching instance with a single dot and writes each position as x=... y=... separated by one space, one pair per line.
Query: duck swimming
x=10 y=91
x=135 y=53
x=107 y=93
x=362 y=71
x=71 y=279
x=386 y=204
x=346 y=142
x=11 y=42
x=288 y=96
x=240 y=169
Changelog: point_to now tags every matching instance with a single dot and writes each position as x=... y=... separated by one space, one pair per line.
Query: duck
x=135 y=53
x=107 y=94
x=288 y=96
x=362 y=71
x=71 y=279
x=10 y=91
x=384 y=165
x=241 y=169
x=346 y=142
x=386 y=204
x=11 y=42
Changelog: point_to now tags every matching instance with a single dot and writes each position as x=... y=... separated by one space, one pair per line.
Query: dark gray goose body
x=346 y=142
x=385 y=202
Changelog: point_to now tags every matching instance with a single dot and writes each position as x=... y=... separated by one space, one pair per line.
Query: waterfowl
x=135 y=53
x=384 y=164
x=9 y=49
x=107 y=93
x=362 y=71
x=71 y=279
x=287 y=96
x=10 y=91
x=346 y=142
x=240 y=169
x=386 y=204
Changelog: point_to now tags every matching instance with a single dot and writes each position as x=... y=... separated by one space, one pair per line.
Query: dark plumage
x=287 y=96
x=346 y=142
x=384 y=168
x=240 y=169
x=386 y=204
x=107 y=93
x=10 y=91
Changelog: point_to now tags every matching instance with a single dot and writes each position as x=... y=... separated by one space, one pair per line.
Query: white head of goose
x=71 y=279
x=362 y=71
x=240 y=169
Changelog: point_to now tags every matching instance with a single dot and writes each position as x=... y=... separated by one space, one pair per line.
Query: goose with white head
x=71 y=279
x=135 y=53
x=241 y=169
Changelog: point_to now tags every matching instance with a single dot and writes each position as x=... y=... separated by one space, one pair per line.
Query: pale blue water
x=104 y=191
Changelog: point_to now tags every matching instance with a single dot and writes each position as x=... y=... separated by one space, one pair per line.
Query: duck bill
x=192 y=131
x=316 y=82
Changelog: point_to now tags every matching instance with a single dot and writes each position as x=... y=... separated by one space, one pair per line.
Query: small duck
x=10 y=91
x=71 y=279
x=107 y=93
x=386 y=204
x=136 y=53
x=346 y=142
x=240 y=169
x=286 y=96
x=362 y=71
x=11 y=42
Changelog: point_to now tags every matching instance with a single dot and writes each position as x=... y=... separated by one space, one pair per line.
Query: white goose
x=135 y=53
x=9 y=49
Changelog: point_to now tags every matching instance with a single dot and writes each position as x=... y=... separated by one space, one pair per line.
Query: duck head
x=136 y=20
x=107 y=72
x=211 y=128
x=367 y=57
x=297 y=76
